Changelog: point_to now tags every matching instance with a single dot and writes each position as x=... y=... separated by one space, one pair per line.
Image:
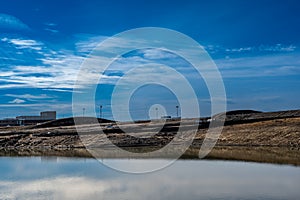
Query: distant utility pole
x=83 y=111
x=100 y=114
x=177 y=111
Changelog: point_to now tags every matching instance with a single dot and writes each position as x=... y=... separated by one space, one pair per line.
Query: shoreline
x=261 y=135
x=268 y=155
x=277 y=133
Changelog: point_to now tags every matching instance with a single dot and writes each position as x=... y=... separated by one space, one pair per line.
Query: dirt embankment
x=259 y=137
x=283 y=132
x=277 y=132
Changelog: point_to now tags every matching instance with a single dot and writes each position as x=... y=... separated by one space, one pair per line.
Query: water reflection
x=40 y=178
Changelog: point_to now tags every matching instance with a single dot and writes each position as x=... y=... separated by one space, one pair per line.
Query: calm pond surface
x=80 y=178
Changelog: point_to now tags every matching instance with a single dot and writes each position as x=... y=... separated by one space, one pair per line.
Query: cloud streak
x=58 y=70
x=180 y=181
x=17 y=101
x=29 y=96
x=276 y=48
x=11 y=23
x=262 y=65
x=24 y=44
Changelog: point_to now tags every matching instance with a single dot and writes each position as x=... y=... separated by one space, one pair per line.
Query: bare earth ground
x=269 y=140
x=278 y=132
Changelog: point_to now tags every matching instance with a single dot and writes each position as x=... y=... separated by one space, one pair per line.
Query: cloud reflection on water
x=183 y=180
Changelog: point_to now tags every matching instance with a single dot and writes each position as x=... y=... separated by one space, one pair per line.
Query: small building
x=9 y=122
x=166 y=117
x=29 y=120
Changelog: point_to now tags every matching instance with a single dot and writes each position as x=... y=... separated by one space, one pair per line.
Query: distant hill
x=70 y=122
x=249 y=116
x=231 y=117
x=234 y=112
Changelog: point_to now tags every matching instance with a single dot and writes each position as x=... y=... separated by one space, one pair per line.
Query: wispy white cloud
x=263 y=65
x=10 y=85
x=24 y=43
x=17 y=101
x=50 y=24
x=50 y=27
x=21 y=42
x=36 y=107
x=241 y=49
x=29 y=96
x=51 y=30
x=157 y=54
x=275 y=48
x=58 y=90
x=56 y=72
x=59 y=69
x=11 y=22
x=86 y=42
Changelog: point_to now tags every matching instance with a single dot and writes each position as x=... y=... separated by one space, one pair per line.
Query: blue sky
x=255 y=45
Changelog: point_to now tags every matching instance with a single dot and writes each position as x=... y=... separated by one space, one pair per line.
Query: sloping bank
x=259 y=130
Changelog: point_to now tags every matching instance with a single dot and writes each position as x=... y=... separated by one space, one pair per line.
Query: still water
x=77 y=178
